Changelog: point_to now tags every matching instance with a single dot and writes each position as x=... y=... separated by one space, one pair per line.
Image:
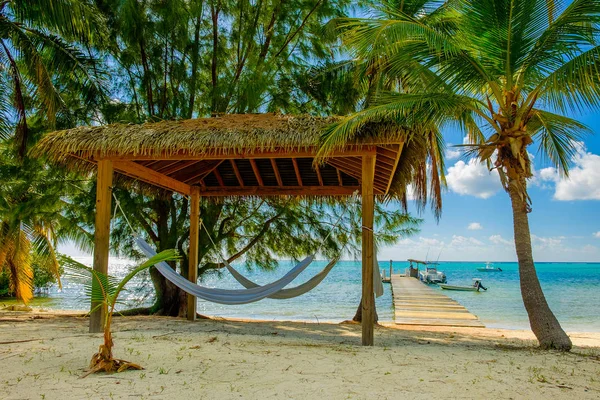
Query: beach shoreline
x=45 y=353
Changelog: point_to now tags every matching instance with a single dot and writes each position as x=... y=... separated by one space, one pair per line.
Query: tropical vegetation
x=104 y=290
x=511 y=73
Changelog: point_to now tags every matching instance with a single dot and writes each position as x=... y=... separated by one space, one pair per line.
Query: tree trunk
x=543 y=323
x=358 y=315
x=170 y=300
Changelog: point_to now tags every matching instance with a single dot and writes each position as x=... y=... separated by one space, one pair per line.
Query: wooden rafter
x=217 y=191
x=218 y=176
x=166 y=166
x=387 y=152
x=148 y=175
x=237 y=173
x=319 y=177
x=276 y=170
x=297 y=170
x=259 y=178
x=202 y=173
x=356 y=173
x=401 y=146
x=177 y=167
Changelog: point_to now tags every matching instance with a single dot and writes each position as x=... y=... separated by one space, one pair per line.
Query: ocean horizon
x=571 y=290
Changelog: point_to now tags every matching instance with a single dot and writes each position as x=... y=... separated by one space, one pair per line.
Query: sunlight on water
x=570 y=288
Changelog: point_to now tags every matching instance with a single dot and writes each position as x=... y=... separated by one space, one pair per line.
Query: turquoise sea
x=572 y=291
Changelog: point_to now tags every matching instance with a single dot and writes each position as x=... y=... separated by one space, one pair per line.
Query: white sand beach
x=43 y=355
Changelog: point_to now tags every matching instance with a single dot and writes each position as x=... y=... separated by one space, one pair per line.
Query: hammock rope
x=232 y=296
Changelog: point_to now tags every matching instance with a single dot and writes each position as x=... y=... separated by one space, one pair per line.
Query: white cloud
x=474 y=226
x=473 y=178
x=464 y=241
x=452 y=153
x=539 y=242
x=498 y=239
x=597 y=234
x=583 y=182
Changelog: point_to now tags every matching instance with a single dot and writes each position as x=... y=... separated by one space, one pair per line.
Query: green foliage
x=42 y=53
x=105 y=289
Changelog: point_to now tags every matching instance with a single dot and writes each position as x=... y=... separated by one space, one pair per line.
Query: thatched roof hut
x=244 y=155
x=253 y=154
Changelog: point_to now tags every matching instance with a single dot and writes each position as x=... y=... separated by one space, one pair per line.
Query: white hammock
x=285 y=293
x=224 y=296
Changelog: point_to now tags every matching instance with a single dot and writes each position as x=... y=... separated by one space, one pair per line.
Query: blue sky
x=476 y=223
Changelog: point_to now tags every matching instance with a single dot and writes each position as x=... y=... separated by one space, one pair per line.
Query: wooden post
x=368 y=207
x=101 y=235
x=391 y=269
x=193 y=251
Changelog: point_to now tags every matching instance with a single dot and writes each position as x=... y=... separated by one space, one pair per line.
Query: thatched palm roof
x=204 y=136
x=247 y=155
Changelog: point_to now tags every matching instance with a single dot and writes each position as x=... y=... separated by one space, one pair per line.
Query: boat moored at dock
x=430 y=274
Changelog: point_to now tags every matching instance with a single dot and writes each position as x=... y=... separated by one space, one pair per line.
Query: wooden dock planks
x=418 y=304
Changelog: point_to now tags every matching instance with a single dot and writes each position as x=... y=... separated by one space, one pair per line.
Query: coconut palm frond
x=105 y=288
x=574 y=85
x=558 y=137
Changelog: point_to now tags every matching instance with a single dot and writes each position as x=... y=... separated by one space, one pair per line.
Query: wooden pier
x=415 y=303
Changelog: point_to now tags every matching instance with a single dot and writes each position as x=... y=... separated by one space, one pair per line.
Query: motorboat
x=489 y=268
x=473 y=288
x=429 y=274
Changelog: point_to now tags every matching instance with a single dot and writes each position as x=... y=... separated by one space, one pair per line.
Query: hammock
x=285 y=293
x=224 y=296
x=311 y=283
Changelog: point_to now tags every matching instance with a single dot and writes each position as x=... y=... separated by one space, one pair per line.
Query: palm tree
x=32 y=220
x=510 y=71
x=40 y=39
x=105 y=290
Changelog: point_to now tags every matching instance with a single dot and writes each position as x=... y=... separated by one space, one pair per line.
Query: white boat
x=474 y=288
x=429 y=274
x=489 y=268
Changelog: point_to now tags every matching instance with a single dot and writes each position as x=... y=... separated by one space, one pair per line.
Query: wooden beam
x=379 y=166
x=297 y=170
x=395 y=167
x=193 y=249
x=148 y=175
x=354 y=151
x=319 y=177
x=101 y=236
x=217 y=191
x=167 y=165
x=389 y=153
x=237 y=173
x=276 y=170
x=368 y=207
x=339 y=176
x=177 y=167
x=259 y=178
x=218 y=176
x=201 y=174
x=356 y=173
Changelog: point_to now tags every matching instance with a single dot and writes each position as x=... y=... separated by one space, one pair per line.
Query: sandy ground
x=223 y=359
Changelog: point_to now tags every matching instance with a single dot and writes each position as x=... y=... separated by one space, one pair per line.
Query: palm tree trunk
x=543 y=323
